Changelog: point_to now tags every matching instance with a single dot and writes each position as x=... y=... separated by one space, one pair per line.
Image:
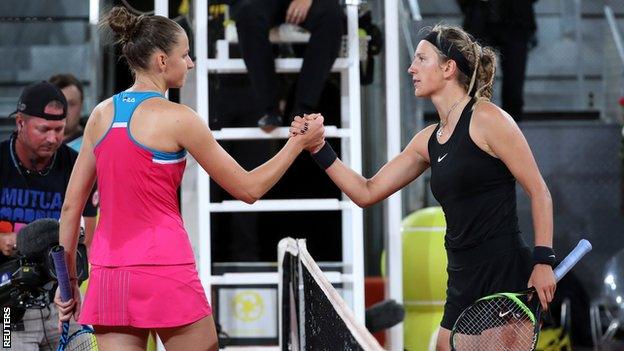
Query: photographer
x=35 y=167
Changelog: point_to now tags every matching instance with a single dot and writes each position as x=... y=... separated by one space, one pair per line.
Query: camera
x=28 y=280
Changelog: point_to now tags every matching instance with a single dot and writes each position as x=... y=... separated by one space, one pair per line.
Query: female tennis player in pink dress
x=143 y=274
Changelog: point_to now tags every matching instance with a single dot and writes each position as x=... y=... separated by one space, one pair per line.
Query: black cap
x=36 y=97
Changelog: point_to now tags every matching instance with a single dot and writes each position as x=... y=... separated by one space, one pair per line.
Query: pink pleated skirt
x=144 y=296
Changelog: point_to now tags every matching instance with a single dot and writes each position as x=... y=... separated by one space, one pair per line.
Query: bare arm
x=393 y=176
x=503 y=139
x=78 y=190
x=194 y=135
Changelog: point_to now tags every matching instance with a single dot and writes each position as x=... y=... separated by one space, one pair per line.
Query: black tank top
x=477 y=191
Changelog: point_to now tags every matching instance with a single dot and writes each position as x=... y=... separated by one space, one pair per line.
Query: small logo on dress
x=440 y=158
x=128 y=99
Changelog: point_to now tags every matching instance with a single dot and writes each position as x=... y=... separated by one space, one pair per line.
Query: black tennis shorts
x=499 y=265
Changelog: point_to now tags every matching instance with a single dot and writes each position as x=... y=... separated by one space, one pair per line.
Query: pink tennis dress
x=142 y=263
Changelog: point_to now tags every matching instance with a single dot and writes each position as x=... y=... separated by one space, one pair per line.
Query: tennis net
x=313 y=315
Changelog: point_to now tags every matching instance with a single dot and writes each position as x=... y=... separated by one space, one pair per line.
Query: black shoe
x=269 y=122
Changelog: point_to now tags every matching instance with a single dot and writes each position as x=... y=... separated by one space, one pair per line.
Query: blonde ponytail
x=482 y=61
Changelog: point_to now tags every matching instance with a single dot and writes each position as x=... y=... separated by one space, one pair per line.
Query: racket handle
x=62 y=275
x=572 y=258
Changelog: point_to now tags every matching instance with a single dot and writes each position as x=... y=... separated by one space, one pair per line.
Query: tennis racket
x=507 y=321
x=82 y=340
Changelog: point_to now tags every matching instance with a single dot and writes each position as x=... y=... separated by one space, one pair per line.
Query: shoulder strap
x=464 y=120
x=126 y=102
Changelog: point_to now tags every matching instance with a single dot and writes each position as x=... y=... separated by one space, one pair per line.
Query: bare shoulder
x=420 y=141
x=175 y=112
x=106 y=103
x=101 y=109
x=487 y=115
x=426 y=132
x=99 y=120
x=491 y=126
x=185 y=125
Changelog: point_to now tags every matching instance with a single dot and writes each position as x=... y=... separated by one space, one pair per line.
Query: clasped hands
x=310 y=131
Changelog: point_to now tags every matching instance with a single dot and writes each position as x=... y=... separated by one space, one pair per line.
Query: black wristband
x=544 y=255
x=325 y=157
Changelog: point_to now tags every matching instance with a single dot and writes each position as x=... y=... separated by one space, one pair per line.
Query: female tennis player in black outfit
x=476 y=153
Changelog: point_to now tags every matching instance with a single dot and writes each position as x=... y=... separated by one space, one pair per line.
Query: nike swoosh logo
x=440 y=158
x=502 y=315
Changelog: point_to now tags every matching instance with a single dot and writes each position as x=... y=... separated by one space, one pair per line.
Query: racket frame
x=62 y=276
x=582 y=248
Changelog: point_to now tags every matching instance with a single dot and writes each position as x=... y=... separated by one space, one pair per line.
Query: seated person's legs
x=254 y=19
x=324 y=21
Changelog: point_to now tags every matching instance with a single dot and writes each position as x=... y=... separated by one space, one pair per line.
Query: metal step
x=294 y=205
x=278 y=133
x=269 y=278
x=282 y=65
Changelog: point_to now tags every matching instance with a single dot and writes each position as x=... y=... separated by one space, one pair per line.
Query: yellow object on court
x=424 y=275
x=553 y=339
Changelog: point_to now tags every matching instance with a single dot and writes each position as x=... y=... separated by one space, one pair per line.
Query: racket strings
x=494 y=324
x=82 y=342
